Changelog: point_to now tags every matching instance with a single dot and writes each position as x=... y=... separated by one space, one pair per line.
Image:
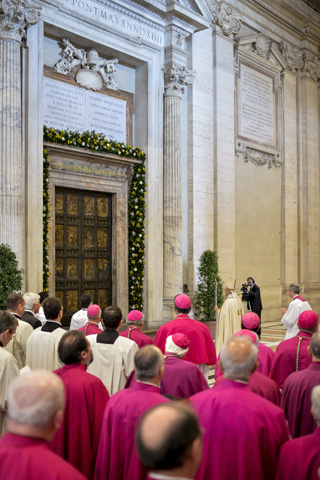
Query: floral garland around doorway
x=136 y=203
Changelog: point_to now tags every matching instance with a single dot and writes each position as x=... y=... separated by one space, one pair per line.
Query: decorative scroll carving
x=262 y=46
x=215 y=6
x=229 y=23
x=311 y=66
x=94 y=70
x=292 y=55
x=176 y=79
x=16 y=16
x=259 y=158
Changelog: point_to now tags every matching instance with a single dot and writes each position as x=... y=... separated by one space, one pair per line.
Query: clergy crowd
x=102 y=402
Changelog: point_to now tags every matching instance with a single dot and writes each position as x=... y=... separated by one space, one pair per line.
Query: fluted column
x=15 y=16
x=176 y=79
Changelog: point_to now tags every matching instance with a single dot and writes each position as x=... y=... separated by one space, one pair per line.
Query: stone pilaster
x=224 y=148
x=176 y=79
x=15 y=17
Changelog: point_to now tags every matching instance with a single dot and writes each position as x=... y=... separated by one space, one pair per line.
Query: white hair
x=31 y=298
x=35 y=397
x=171 y=347
x=231 y=364
x=315 y=399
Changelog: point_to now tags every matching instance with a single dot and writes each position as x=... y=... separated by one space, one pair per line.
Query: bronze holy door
x=83 y=248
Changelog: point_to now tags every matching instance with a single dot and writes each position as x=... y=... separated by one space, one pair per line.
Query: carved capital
x=293 y=57
x=16 y=16
x=311 y=66
x=176 y=79
x=258 y=158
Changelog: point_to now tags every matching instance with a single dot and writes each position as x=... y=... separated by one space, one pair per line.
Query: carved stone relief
x=94 y=70
x=311 y=66
x=262 y=46
x=259 y=158
x=292 y=55
x=229 y=22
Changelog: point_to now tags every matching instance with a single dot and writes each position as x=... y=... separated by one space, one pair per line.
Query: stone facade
x=211 y=184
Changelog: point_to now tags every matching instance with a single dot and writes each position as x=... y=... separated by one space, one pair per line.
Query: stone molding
x=16 y=16
x=259 y=158
x=94 y=70
x=176 y=79
x=224 y=17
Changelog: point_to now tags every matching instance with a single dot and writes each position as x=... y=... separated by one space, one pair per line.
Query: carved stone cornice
x=224 y=17
x=293 y=56
x=15 y=17
x=176 y=79
x=258 y=158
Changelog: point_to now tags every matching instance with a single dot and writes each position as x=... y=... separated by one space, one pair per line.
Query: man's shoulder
x=125 y=342
x=24 y=327
x=6 y=356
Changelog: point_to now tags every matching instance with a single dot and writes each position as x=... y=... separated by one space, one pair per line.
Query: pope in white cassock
x=229 y=317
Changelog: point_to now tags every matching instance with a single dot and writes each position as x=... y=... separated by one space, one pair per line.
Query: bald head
x=148 y=362
x=34 y=398
x=238 y=358
x=166 y=435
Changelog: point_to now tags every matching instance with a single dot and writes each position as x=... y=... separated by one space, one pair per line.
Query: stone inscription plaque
x=74 y=108
x=256 y=107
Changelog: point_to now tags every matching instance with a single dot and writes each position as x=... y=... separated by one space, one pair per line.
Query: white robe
x=8 y=371
x=42 y=349
x=112 y=363
x=290 y=318
x=229 y=320
x=18 y=346
x=79 y=319
x=41 y=316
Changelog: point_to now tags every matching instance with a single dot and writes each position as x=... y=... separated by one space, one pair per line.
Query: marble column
x=176 y=80
x=15 y=17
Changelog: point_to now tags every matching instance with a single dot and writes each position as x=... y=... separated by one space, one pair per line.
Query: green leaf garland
x=136 y=207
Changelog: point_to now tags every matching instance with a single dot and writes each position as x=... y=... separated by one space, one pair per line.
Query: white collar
x=161 y=476
x=148 y=383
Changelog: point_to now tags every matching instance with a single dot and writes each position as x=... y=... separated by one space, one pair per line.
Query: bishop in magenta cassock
x=300 y=458
x=135 y=321
x=265 y=354
x=243 y=431
x=86 y=398
x=181 y=379
x=292 y=355
x=94 y=318
x=296 y=393
x=202 y=351
x=36 y=402
x=117 y=458
x=258 y=383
